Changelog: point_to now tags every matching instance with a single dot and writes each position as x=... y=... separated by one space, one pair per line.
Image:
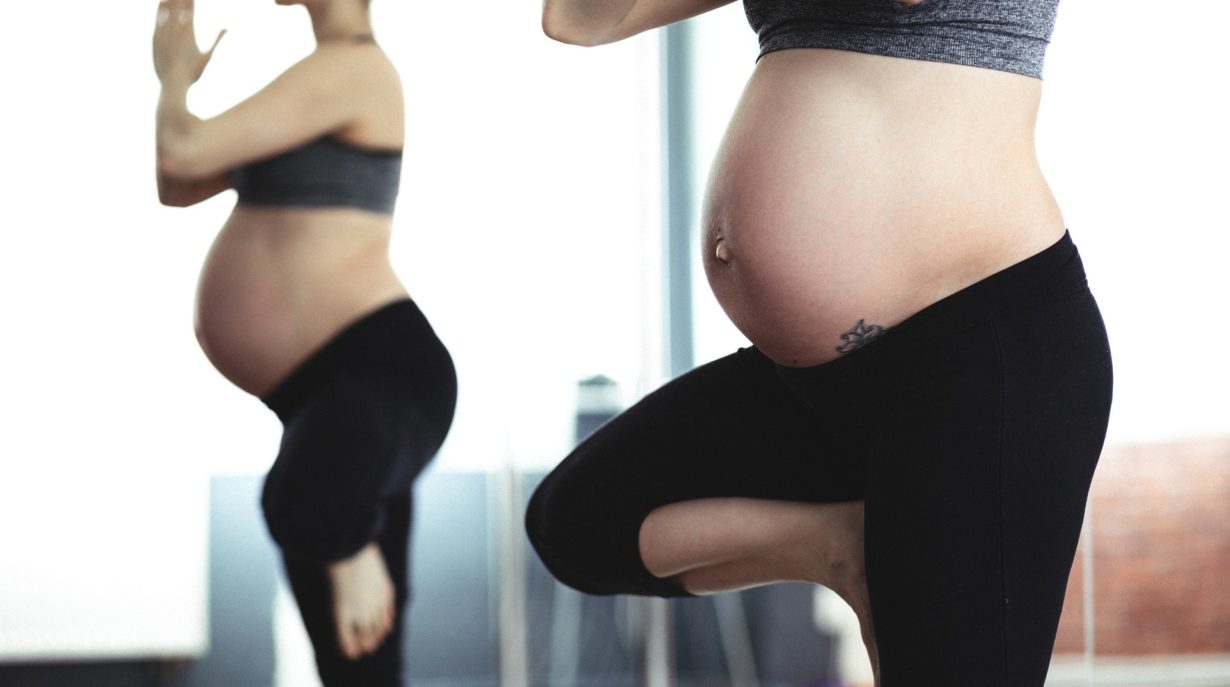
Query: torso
x=859 y=187
x=279 y=282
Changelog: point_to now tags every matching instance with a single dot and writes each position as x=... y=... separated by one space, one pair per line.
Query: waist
x=392 y=341
x=922 y=345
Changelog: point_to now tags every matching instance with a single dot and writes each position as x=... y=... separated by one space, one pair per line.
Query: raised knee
x=553 y=540
x=316 y=528
x=575 y=549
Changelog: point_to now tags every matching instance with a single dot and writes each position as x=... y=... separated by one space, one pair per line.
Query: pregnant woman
x=298 y=305
x=919 y=418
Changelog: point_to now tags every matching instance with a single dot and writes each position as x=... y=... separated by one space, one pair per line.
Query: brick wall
x=1161 y=526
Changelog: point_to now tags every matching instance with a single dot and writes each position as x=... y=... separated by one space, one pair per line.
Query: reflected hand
x=176 y=55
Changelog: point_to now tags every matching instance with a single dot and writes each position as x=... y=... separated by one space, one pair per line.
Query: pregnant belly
x=272 y=291
x=836 y=209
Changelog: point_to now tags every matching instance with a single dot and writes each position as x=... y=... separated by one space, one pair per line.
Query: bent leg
x=727 y=430
x=718 y=545
x=316 y=595
x=344 y=453
x=725 y=544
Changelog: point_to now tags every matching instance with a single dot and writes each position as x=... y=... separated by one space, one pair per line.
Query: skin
x=850 y=191
x=280 y=282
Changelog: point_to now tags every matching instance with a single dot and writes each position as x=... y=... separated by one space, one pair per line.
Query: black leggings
x=362 y=417
x=971 y=430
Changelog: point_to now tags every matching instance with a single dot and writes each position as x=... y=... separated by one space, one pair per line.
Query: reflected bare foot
x=362 y=601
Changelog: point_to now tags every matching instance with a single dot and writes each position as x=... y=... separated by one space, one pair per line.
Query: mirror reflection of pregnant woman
x=299 y=305
x=918 y=420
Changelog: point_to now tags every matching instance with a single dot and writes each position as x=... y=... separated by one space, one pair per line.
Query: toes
x=347 y=639
x=377 y=634
x=364 y=634
x=371 y=634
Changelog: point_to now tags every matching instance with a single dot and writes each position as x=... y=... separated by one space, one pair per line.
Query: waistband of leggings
x=1054 y=272
x=363 y=343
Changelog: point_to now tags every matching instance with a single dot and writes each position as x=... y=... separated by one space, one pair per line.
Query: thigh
x=729 y=428
x=933 y=525
x=345 y=451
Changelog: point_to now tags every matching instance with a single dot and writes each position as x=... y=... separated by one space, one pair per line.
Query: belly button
x=722 y=252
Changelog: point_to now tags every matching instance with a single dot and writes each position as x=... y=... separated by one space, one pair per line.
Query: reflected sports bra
x=1006 y=35
x=325 y=172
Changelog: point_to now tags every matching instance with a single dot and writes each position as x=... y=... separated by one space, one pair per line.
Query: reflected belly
x=832 y=213
x=270 y=293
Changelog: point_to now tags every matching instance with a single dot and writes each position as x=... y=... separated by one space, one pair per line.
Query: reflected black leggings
x=362 y=417
x=971 y=430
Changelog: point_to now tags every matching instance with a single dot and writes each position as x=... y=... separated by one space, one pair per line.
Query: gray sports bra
x=322 y=173
x=1007 y=35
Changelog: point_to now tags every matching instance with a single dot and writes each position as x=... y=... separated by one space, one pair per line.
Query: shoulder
x=362 y=63
x=364 y=78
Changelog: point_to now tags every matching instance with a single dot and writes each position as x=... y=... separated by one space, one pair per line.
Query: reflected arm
x=598 y=22
x=173 y=119
x=325 y=93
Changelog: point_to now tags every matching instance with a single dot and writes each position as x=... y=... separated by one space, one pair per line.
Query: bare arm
x=182 y=193
x=172 y=119
x=328 y=91
x=597 y=22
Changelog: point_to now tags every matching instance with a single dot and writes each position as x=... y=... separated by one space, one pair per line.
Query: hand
x=176 y=55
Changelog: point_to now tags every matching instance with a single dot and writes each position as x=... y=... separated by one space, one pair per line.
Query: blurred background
x=547 y=226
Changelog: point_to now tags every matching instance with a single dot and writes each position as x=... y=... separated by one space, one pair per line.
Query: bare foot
x=843 y=569
x=724 y=544
x=362 y=601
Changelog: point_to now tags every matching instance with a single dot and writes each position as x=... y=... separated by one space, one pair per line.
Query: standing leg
x=337 y=502
x=975 y=497
x=362 y=417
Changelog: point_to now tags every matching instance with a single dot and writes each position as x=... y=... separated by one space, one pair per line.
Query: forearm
x=584 y=22
x=595 y=22
x=184 y=192
x=174 y=126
